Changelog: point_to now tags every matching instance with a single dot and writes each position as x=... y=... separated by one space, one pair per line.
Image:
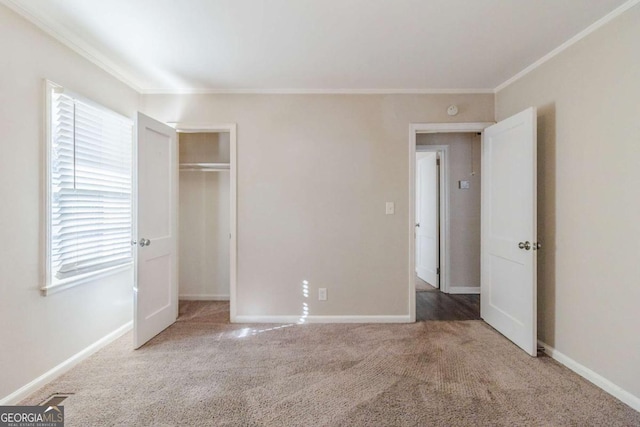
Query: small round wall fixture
x=452 y=110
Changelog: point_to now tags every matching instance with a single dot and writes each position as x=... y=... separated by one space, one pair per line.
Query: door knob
x=418 y=225
x=144 y=242
x=537 y=246
x=525 y=245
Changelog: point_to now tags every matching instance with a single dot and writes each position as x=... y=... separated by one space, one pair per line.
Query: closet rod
x=205 y=167
x=203 y=170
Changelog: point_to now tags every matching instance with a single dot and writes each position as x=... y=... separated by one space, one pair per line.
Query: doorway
x=156 y=221
x=508 y=223
x=203 y=216
x=448 y=226
x=207 y=246
x=446 y=194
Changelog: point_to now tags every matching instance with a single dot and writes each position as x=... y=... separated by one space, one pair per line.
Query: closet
x=204 y=216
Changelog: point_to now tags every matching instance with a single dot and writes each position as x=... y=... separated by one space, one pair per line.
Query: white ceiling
x=314 y=45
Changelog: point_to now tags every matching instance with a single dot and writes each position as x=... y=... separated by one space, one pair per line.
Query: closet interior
x=204 y=216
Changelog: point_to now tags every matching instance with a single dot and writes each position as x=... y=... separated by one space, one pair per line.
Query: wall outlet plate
x=322 y=294
x=390 y=208
x=463 y=185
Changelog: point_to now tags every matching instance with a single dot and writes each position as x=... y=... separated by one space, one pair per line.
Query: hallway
x=431 y=304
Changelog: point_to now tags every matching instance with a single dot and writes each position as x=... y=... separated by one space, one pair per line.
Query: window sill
x=83 y=279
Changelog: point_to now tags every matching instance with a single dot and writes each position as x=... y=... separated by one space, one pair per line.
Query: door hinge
x=438 y=270
x=437 y=162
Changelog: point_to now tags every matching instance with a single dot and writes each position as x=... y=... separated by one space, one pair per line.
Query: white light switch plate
x=463 y=185
x=390 y=208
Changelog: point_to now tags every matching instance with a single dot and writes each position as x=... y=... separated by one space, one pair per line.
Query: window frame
x=52 y=286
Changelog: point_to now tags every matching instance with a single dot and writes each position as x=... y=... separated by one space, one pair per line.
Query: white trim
x=65 y=366
x=74 y=42
x=203 y=297
x=445 y=220
x=49 y=87
x=84 y=278
x=573 y=40
x=414 y=129
x=196 y=128
x=310 y=91
x=231 y=129
x=595 y=378
x=322 y=319
x=233 y=221
x=450 y=127
x=464 y=289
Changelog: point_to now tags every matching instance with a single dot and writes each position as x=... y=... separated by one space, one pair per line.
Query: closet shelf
x=204 y=167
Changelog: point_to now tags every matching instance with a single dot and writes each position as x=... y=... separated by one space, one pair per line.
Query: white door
x=427 y=261
x=156 y=290
x=508 y=283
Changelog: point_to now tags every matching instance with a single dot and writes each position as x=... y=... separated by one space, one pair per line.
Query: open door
x=156 y=282
x=427 y=261
x=508 y=265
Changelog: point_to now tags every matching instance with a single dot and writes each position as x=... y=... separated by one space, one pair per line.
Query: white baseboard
x=464 y=289
x=322 y=319
x=65 y=366
x=597 y=379
x=203 y=297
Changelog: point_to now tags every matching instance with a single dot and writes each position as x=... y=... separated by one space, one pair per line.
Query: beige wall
x=39 y=332
x=464 y=205
x=314 y=173
x=588 y=100
x=204 y=218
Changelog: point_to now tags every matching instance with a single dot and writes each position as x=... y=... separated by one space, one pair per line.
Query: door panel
x=155 y=292
x=508 y=300
x=427 y=236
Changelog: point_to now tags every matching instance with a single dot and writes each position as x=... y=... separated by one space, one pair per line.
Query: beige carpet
x=204 y=371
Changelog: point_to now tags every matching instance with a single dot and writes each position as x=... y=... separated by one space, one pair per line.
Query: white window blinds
x=90 y=189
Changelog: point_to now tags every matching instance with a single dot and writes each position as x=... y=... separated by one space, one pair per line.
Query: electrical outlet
x=322 y=294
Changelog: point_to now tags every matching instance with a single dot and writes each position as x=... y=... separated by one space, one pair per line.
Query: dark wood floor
x=439 y=306
x=422 y=286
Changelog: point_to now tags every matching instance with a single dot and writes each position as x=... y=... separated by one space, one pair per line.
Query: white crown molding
x=73 y=42
x=84 y=49
x=573 y=40
x=302 y=91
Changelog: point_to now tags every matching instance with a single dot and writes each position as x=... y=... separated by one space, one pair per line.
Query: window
x=89 y=200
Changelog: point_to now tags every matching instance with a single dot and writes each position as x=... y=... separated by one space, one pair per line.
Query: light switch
x=463 y=185
x=391 y=208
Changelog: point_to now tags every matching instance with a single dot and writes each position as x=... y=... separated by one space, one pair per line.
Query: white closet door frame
x=229 y=128
x=414 y=130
